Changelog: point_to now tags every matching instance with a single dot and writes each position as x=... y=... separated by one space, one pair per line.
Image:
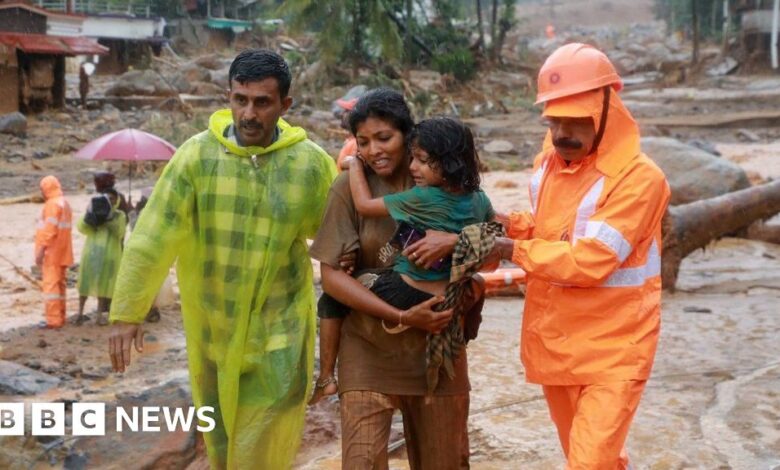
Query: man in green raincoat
x=234 y=207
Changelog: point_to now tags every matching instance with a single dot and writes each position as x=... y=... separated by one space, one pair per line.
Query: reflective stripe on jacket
x=55 y=225
x=592 y=252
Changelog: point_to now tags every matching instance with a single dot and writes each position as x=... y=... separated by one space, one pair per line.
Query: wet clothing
x=366 y=418
x=54 y=234
x=54 y=287
x=369 y=357
x=101 y=255
x=593 y=261
x=55 y=225
x=386 y=284
x=593 y=421
x=434 y=208
x=382 y=371
x=236 y=220
x=591 y=249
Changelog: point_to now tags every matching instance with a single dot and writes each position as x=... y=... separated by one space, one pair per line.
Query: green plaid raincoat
x=101 y=254
x=237 y=220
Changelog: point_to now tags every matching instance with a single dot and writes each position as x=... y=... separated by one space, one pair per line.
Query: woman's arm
x=361 y=194
x=350 y=292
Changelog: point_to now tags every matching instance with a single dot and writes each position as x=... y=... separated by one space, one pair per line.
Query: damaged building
x=32 y=62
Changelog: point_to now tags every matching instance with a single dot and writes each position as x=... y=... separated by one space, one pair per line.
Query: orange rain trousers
x=54 y=294
x=593 y=422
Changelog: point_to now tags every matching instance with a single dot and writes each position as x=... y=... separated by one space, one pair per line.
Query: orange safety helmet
x=575 y=68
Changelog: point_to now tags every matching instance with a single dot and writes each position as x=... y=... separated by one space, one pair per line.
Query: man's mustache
x=566 y=143
x=249 y=124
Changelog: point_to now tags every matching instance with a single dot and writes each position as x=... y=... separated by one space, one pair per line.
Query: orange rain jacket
x=591 y=248
x=54 y=226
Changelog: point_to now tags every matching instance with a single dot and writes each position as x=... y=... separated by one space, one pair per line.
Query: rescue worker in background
x=591 y=247
x=100 y=258
x=54 y=250
x=236 y=205
x=106 y=181
x=350 y=143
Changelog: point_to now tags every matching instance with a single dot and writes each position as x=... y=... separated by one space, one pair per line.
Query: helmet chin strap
x=602 y=121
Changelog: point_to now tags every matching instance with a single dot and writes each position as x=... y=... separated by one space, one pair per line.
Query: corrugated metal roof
x=57 y=45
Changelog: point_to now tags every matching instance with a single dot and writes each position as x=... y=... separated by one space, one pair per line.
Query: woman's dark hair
x=450 y=147
x=385 y=104
x=254 y=65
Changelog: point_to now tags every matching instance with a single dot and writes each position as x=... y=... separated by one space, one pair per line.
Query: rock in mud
x=693 y=174
x=16 y=379
x=13 y=123
x=499 y=146
x=141 y=82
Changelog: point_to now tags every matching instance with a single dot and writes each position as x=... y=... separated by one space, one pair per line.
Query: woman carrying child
x=380 y=372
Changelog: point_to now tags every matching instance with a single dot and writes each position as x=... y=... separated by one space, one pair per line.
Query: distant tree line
x=451 y=36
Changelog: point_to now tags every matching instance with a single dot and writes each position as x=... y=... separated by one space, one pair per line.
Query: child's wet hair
x=450 y=147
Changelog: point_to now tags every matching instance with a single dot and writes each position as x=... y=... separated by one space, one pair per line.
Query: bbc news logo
x=89 y=419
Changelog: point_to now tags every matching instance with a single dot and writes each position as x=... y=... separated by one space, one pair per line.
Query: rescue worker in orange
x=349 y=149
x=54 y=250
x=591 y=247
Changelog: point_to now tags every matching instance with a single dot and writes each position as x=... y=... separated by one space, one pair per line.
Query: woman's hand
x=347 y=262
x=423 y=317
x=431 y=248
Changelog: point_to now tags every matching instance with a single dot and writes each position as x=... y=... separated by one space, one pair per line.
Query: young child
x=447 y=198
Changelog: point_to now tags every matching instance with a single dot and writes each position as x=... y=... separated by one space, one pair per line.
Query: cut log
x=689 y=227
x=35 y=197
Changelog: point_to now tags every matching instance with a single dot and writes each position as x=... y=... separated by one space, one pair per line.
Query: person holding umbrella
x=101 y=254
x=105 y=181
x=234 y=207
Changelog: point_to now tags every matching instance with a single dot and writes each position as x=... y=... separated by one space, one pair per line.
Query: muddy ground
x=713 y=401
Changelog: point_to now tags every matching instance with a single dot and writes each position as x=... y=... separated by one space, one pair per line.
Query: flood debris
x=691 y=226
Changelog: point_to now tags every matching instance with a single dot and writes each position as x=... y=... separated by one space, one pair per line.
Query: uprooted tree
x=689 y=227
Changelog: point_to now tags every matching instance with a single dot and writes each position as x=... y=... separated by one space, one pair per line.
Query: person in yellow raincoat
x=54 y=249
x=234 y=207
x=100 y=258
x=591 y=248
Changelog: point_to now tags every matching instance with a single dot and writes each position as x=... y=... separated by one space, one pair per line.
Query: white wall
x=122 y=28
x=63 y=27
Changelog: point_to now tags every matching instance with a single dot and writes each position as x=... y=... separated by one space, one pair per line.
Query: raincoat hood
x=50 y=186
x=620 y=143
x=222 y=119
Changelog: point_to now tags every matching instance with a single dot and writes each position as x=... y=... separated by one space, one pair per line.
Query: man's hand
x=423 y=317
x=503 y=219
x=502 y=249
x=122 y=334
x=347 y=262
x=431 y=248
x=39 y=255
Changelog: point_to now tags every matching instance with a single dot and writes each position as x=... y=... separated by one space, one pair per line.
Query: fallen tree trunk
x=34 y=197
x=689 y=227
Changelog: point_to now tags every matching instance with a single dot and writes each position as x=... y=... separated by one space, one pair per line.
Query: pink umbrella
x=129 y=145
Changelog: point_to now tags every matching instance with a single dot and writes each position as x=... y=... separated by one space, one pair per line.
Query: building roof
x=56 y=45
x=41 y=11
